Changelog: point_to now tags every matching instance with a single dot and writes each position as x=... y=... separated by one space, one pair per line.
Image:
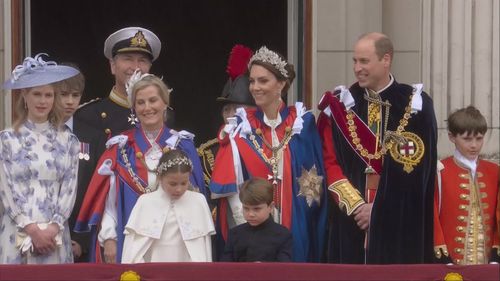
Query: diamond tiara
x=163 y=167
x=266 y=55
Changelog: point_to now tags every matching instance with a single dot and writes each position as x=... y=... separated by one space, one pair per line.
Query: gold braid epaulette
x=349 y=197
x=441 y=250
x=206 y=145
x=206 y=154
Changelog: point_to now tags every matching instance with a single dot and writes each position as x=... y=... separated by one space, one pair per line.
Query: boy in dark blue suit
x=260 y=239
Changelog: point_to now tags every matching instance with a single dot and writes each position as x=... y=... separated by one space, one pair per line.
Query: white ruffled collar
x=470 y=164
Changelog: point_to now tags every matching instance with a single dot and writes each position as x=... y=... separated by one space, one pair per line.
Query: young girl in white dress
x=38 y=170
x=171 y=224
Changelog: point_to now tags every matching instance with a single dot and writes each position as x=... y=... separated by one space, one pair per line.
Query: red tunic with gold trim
x=465 y=223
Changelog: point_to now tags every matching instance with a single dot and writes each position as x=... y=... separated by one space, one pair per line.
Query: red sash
x=366 y=138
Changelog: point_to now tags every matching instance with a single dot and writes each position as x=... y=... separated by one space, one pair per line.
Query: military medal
x=132 y=119
x=84 y=151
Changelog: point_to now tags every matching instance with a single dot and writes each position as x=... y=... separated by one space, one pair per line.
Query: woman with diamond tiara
x=127 y=169
x=173 y=223
x=278 y=143
x=38 y=169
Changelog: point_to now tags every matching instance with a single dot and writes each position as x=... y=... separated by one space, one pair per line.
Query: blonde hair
x=56 y=115
x=151 y=80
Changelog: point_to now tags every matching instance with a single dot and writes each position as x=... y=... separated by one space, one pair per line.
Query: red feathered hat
x=236 y=88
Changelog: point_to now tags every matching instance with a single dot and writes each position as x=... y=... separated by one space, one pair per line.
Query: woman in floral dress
x=38 y=170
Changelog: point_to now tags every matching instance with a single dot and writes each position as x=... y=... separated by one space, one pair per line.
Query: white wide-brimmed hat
x=132 y=39
x=37 y=72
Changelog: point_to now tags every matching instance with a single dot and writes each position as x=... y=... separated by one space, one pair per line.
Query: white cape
x=147 y=221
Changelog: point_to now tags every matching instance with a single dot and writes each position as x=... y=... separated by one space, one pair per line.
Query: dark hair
x=467 y=120
x=256 y=191
x=174 y=160
x=280 y=77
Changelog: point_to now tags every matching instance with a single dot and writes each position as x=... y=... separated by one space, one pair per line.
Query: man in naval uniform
x=379 y=146
x=127 y=49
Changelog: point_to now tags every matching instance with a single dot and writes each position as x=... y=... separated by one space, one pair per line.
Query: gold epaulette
x=89 y=102
x=441 y=250
x=206 y=145
x=207 y=158
x=349 y=197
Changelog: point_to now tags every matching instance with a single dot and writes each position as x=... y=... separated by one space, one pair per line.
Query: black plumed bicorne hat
x=236 y=89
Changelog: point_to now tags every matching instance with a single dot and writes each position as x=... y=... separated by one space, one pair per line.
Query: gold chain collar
x=276 y=150
x=389 y=136
x=134 y=176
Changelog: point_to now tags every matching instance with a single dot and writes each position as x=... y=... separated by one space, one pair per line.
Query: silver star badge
x=310 y=185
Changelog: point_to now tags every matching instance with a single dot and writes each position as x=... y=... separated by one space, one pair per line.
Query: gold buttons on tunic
x=463 y=185
x=459 y=239
x=107 y=131
x=461 y=218
x=460 y=228
x=103 y=115
x=458 y=250
x=462 y=207
x=464 y=196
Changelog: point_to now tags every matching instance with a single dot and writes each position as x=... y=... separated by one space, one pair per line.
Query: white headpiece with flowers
x=266 y=55
x=182 y=160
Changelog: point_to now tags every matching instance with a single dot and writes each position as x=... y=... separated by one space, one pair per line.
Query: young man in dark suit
x=92 y=144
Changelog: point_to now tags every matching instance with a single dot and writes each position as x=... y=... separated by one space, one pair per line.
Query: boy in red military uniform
x=465 y=223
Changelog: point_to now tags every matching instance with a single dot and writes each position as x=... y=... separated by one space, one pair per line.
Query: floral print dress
x=38 y=177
